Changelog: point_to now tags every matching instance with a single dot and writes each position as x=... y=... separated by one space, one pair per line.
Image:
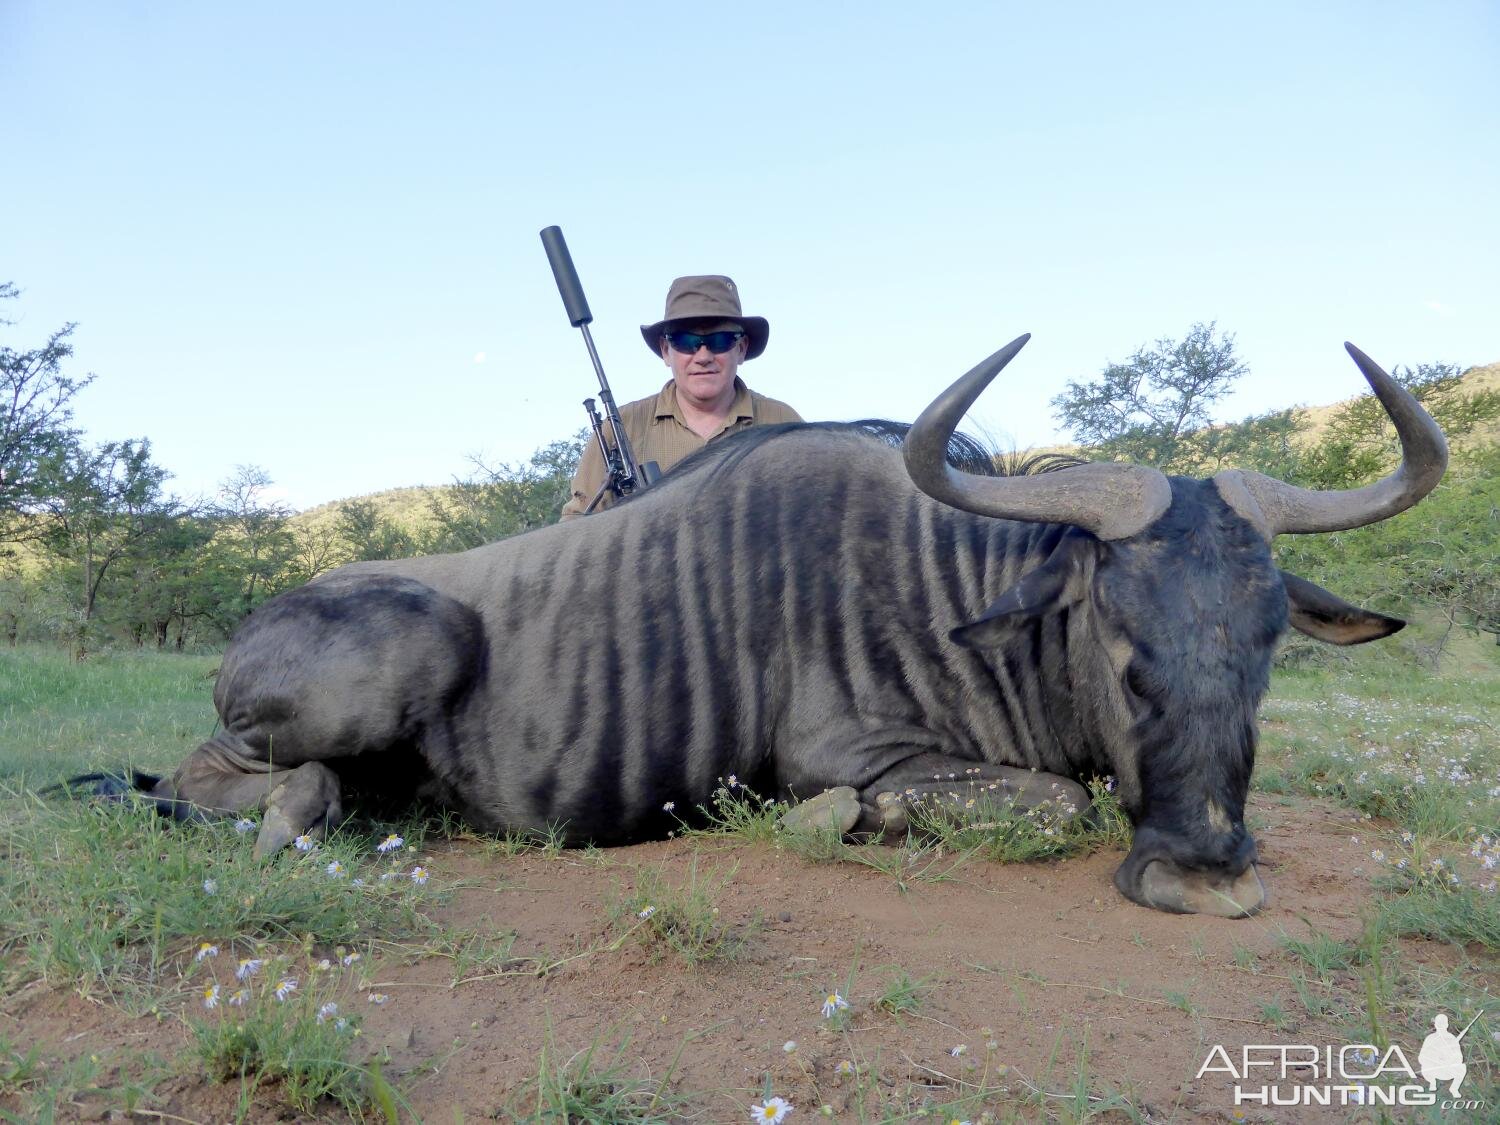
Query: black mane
x=965 y=453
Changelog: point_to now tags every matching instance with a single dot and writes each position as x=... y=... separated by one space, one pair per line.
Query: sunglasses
x=717 y=342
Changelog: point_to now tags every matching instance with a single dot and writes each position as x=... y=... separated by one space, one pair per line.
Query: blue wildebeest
x=799 y=607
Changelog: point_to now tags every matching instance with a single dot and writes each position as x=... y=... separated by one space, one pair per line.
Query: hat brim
x=757 y=332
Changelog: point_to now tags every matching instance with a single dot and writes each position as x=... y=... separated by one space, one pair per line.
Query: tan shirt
x=658 y=432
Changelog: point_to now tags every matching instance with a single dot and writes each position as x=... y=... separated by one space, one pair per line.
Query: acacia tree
x=101 y=504
x=503 y=500
x=1360 y=443
x=254 y=545
x=1153 y=409
x=367 y=535
x=35 y=430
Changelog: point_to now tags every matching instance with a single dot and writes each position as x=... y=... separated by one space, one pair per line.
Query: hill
x=410 y=508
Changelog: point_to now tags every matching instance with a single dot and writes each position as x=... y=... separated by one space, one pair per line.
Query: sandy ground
x=1044 y=961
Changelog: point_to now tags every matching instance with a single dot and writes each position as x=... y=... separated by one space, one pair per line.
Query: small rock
x=833 y=808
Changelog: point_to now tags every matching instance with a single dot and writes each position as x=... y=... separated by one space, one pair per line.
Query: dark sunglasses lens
x=690 y=342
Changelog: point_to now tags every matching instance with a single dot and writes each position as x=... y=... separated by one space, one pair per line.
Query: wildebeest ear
x=1042 y=591
x=1325 y=617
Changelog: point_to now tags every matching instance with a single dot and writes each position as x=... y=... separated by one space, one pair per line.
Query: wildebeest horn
x=1113 y=501
x=1277 y=507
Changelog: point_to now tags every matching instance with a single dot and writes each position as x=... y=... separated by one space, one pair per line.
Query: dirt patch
x=1042 y=969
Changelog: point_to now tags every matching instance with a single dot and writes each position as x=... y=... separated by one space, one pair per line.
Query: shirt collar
x=667 y=405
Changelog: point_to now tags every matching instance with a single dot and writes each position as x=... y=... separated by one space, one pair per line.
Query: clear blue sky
x=304 y=235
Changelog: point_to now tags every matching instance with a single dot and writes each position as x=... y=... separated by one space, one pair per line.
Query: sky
x=304 y=236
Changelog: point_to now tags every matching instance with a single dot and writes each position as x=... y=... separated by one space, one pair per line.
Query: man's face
x=703 y=379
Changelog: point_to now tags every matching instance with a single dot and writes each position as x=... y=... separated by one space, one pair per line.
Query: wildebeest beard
x=842 y=622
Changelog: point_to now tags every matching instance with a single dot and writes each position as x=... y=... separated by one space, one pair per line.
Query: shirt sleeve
x=586 y=482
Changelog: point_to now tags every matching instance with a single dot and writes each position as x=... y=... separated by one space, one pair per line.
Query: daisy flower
x=419 y=875
x=238 y=997
x=304 y=843
x=248 y=968
x=646 y=913
x=243 y=825
x=844 y=1069
x=774 y=1110
x=327 y=1011
x=335 y=870
x=389 y=844
x=210 y=886
x=669 y=806
x=377 y=997
x=789 y=1046
x=285 y=987
x=211 y=996
x=206 y=950
x=833 y=1002
x=348 y=959
x=959 y=1050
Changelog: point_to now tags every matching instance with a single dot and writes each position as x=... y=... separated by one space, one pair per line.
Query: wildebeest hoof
x=1165 y=886
x=836 y=808
x=276 y=832
x=893 y=818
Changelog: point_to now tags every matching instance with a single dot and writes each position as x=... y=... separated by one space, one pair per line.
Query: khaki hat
x=706 y=297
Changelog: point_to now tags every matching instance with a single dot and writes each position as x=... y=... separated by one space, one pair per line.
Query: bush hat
x=706 y=297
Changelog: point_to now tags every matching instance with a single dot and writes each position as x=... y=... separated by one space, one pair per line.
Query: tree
x=34 y=423
x=101 y=504
x=507 y=499
x=367 y=535
x=168 y=582
x=254 y=543
x=1360 y=443
x=1154 y=408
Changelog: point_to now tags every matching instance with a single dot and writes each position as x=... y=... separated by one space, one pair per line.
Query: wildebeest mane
x=965 y=453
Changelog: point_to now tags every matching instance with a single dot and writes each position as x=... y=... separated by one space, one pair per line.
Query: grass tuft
x=685 y=921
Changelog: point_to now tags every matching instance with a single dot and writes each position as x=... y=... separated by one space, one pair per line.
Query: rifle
x=623 y=475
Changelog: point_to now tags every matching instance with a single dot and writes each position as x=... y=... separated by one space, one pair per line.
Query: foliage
x=367 y=535
x=1154 y=409
x=1440 y=555
x=105 y=505
x=1360 y=442
x=504 y=500
x=34 y=421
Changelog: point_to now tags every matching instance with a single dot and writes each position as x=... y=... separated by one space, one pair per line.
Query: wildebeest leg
x=941 y=782
x=225 y=776
x=347 y=675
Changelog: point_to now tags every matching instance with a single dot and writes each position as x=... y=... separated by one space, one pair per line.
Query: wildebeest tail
x=120 y=785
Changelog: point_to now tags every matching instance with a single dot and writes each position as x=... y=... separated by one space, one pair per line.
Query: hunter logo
x=1268 y=1074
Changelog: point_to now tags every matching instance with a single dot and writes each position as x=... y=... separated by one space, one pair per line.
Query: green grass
x=598 y=1085
x=685 y=920
x=304 y=1041
x=108 y=897
x=902 y=993
x=58 y=718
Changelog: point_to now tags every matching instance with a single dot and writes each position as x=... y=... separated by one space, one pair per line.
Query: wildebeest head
x=1174 y=607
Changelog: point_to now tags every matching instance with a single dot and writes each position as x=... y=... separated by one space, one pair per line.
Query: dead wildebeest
x=798 y=607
